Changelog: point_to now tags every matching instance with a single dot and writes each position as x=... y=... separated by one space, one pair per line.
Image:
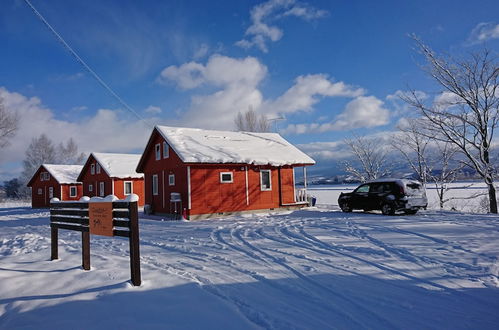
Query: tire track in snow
x=321 y=288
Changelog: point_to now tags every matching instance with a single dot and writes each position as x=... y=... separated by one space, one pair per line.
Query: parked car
x=387 y=195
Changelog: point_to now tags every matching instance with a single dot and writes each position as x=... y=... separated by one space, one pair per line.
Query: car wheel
x=345 y=207
x=387 y=209
x=411 y=211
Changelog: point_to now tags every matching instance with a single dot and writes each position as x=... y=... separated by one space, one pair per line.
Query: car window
x=362 y=189
x=376 y=188
x=387 y=187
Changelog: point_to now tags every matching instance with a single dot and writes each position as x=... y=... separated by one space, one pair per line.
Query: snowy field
x=311 y=269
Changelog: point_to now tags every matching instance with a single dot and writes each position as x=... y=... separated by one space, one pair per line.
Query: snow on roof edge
x=275 y=138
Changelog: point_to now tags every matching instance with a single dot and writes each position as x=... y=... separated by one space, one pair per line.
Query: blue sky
x=331 y=68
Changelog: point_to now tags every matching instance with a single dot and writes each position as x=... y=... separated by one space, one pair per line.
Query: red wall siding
x=65 y=192
x=287 y=185
x=162 y=168
x=137 y=188
x=210 y=196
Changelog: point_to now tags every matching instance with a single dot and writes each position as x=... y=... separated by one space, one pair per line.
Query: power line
x=85 y=65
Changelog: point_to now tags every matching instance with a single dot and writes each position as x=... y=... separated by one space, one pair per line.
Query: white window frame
x=75 y=191
x=51 y=192
x=40 y=191
x=157 y=150
x=261 y=180
x=131 y=187
x=166 y=150
x=102 y=189
x=97 y=168
x=154 y=184
x=90 y=187
x=92 y=169
x=171 y=179
x=225 y=173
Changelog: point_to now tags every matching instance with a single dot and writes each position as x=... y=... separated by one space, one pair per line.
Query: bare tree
x=8 y=124
x=468 y=114
x=250 y=121
x=414 y=148
x=42 y=150
x=370 y=155
x=68 y=154
x=432 y=161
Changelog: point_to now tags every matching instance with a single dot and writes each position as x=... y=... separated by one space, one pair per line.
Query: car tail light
x=402 y=190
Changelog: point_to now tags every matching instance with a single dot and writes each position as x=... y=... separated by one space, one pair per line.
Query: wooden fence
x=75 y=216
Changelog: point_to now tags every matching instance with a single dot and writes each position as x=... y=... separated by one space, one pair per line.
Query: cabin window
x=171 y=179
x=40 y=191
x=226 y=177
x=128 y=187
x=44 y=176
x=90 y=188
x=101 y=189
x=155 y=184
x=51 y=192
x=92 y=169
x=97 y=168
x=157 y=148
x=72 y=191
x=265 y=181
x=166 y=150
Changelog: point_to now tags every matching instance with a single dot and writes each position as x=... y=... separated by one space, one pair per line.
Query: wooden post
x=85 y=250
x=54 y=235
x=134 y=244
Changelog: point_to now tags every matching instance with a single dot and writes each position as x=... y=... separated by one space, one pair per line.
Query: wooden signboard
x=100 y=218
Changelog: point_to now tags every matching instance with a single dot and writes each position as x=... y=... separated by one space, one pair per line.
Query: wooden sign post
x=98 y=218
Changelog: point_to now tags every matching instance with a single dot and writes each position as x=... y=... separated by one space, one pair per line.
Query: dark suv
x=387 y=195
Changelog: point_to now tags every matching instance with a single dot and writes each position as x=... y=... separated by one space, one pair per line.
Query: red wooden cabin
x=112 y=174
x=208 y=173
x=58 y=181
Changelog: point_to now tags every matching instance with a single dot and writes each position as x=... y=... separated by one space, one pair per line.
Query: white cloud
x=446 y=99
x=153 y=110
x=107 y=130
x=325 y=150
x=238 y=83
x=261 y=31
x=399 y=105
x=307 y=91
x=187 y=76
x=201 y=52
x=219 y=71
x=483 y=32
x=363 y=111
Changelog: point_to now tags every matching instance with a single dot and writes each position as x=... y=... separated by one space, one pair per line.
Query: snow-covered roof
x=194 y=145
x=64 y=174
x=119 y=165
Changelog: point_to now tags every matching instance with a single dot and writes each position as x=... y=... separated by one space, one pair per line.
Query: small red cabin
x=58 y=181
x=205 y=173
x=112 y=174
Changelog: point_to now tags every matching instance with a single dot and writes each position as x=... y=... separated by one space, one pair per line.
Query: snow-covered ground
x=310 y=269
